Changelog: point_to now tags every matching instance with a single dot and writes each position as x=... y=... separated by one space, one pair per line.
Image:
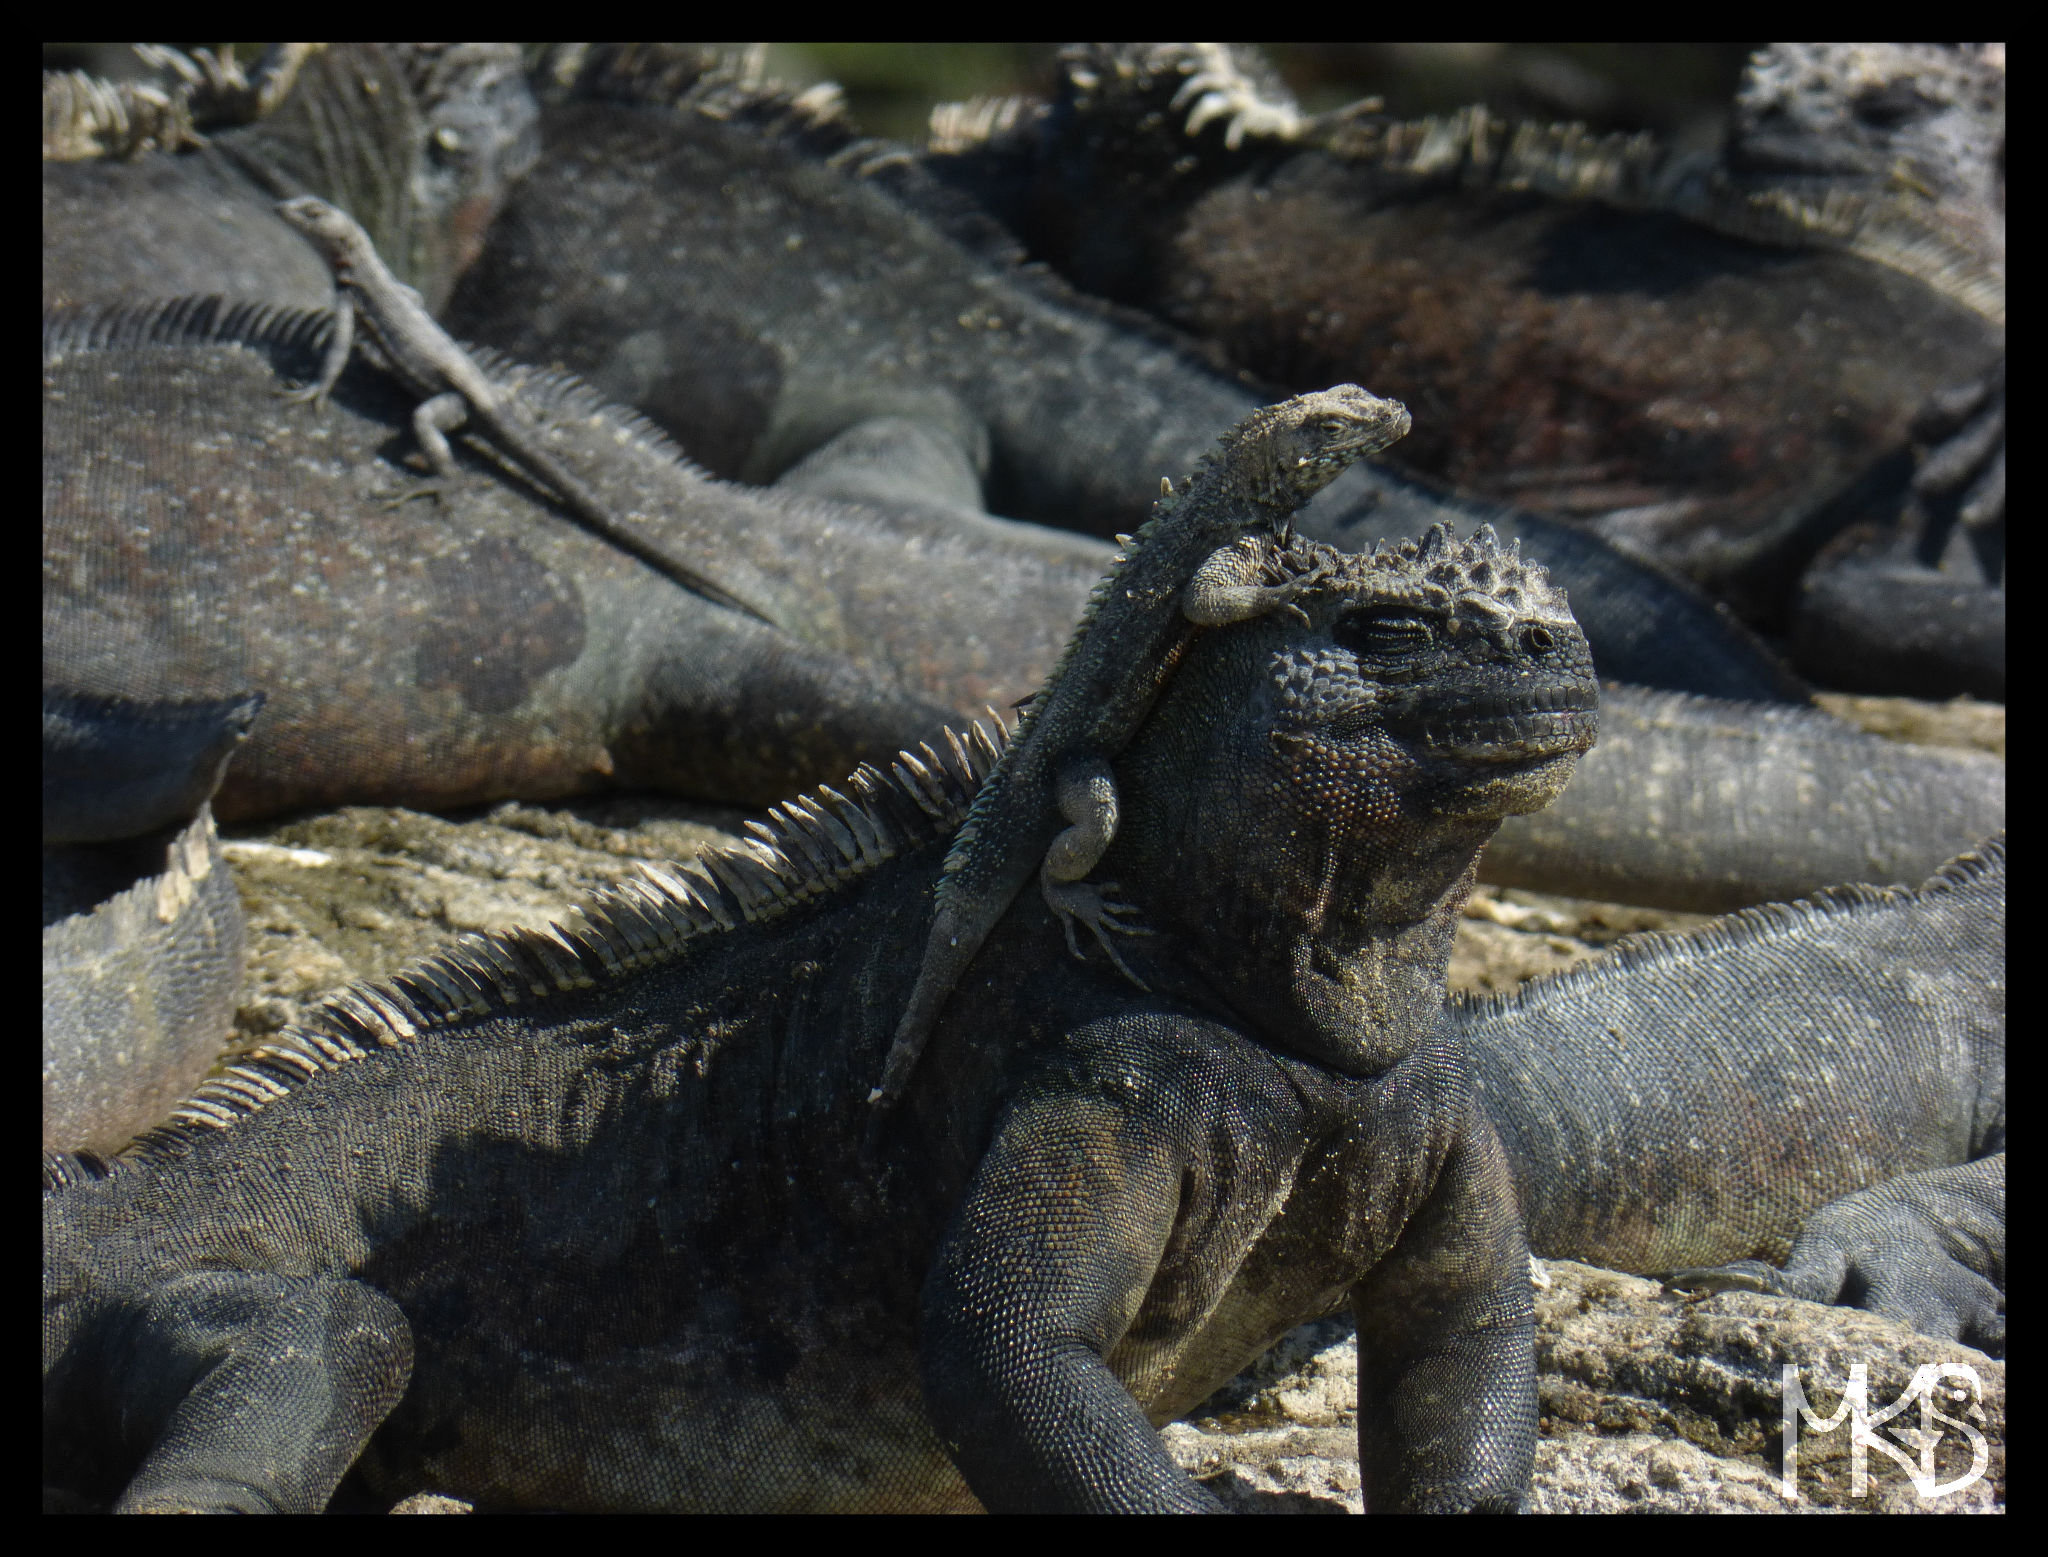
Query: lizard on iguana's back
x=457 y=391
x=581 y=1219
x=197 y=543
x=1184 y=569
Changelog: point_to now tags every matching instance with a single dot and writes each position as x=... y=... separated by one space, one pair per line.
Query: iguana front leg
x=251 y=1393
x=1926 y=1250
x=1086 y=792
x=1081 y=1194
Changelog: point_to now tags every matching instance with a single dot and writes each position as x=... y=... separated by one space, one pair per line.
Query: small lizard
x=1184 y=569
x=432 y=364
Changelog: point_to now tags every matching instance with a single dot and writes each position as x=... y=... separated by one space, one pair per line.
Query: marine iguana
x=142 y=948
x=418 y=141
x=427 y=359
x=688 y=230
x=491 y=650
x=1704 y=805
x=1718 y=363
x=1194 y=564
x=1832 y=1068
x=201 y=536
x=1092 y=1206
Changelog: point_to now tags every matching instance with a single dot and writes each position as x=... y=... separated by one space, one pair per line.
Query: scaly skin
x=1181 y=571
x=583 y=1219
x=456 y=390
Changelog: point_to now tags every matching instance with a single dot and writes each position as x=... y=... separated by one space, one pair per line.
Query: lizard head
x=1306 y=804
x=327 y=225
x=1289 y=452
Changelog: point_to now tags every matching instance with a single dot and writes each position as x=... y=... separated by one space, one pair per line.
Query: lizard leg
x=340 y=341
x=1228 y=588
x=432 y=421
x=1086 y=792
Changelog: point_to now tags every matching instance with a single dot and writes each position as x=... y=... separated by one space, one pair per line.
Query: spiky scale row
x=809 y=847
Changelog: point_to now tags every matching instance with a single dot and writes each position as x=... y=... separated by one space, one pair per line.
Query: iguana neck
x=1337 y=960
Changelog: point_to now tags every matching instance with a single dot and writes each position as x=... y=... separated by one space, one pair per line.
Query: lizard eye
x=1383 y=631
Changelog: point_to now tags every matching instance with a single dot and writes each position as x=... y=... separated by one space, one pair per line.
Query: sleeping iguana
x=1718 y=362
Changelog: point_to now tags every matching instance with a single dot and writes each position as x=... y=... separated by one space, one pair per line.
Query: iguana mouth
x=1513 y=728
x=1514 y=737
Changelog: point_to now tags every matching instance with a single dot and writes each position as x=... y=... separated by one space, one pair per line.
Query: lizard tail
x=947 y=954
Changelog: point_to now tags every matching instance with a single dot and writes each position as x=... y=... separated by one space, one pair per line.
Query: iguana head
x=1291 y=451
x=1306 y=803
x=1925 y=120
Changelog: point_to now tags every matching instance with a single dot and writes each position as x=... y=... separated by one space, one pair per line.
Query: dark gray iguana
x=418 y=141
x=202 y=536
x=1194 y=564
x=481 y=647
x=142 y=943
x=1704 y=805
x=455 y=390
x=582 y=1220
x=1718 y=362
x=1818 y=1086
x=737 y=263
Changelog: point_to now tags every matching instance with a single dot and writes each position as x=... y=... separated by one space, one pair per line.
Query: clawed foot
x=1964 y=427
x=1092 y=904
x=306 y=394
x=1284 y=594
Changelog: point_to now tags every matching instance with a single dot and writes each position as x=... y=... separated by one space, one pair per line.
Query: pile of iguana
x=1717 y=362
x=142 y=931
x=585 y=1219
x=475 y=644
x=203 y=534
x=687 y=228
x=418 y=141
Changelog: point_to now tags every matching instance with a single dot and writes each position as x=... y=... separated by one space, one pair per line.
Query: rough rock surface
x=1650 y=1404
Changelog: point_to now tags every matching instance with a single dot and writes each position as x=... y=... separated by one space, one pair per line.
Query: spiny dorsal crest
x=717 y=83
x=85 y=117
x=809 y=848
x=1978 y=873
x=1480 y=150
x=1477 y=578
x=1199 y=83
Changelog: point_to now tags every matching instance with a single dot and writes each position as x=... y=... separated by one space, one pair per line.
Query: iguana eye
x=1383 y=631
